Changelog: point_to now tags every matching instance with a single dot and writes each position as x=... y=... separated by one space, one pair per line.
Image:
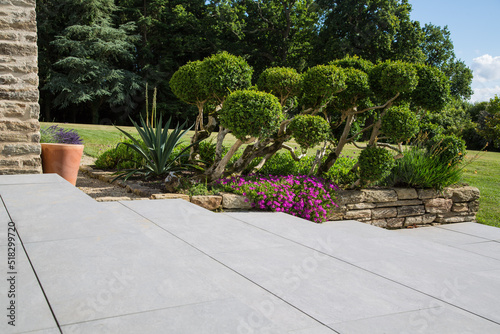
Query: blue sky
x=475 y=32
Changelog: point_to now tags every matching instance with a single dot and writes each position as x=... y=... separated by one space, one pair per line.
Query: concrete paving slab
x=31 y=311
x=31 y=179
x=437 y=319
x=222 y=316
x=487 y=249
x=475 y=229
x=170 y=266
x=440 y=235
x=476 y=293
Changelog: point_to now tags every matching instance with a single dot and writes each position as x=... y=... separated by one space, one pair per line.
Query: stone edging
x=407 y=207
x=225 y=201
x=388 y=208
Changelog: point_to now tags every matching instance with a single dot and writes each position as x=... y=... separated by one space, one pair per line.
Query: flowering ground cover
x=303 y=196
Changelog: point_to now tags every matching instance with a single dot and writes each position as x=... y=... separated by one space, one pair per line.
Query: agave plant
x=157 y=150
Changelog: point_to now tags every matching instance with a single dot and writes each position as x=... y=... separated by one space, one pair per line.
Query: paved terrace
x=167 y=266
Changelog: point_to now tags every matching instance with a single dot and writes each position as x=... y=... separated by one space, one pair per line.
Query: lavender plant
x=303 y=196
x=58 y=135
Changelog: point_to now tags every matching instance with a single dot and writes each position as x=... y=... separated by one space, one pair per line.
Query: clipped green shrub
x=282 y=82
x=250 y=113
x=400 y=123
x=119 y=157
x=391 y=77
x=319 y=83
x=341 y=172
x=185 y=84
x=223 y=73
x=282 y=163
x=448 y=149
x=433 y=89
x=375 y=163
x=308 y=131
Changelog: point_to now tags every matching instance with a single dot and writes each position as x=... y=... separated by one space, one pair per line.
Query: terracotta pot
x=62 y=159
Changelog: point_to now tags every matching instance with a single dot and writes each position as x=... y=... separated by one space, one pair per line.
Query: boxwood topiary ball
x=400 y=123
x=375 y=163
x=308 y=131
x=250 y=113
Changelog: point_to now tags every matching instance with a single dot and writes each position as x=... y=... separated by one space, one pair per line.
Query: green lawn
x=483 y=172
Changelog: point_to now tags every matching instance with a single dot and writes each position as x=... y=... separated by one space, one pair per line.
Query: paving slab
x=475 y=229
x=444 y=236
x=438 y=318
x=168 y=266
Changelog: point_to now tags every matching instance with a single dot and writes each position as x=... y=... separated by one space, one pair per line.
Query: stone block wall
x=19 y=109
x=404 y=207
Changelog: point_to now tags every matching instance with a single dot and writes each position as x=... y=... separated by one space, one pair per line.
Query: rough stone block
x=415 y=220
x=395 y=222
x=234 y=201
x=427 y=193
x=406 y=193
x=438 y=205
x=465 y=194
x=428 y=218
x=170 y=196
x=13 y=137
x=414 y=210
x=390 y=212
x=401 y=203
x=379 y=223
x=358 y=214
x=474 y=206
x=21 y=149
x=376 y=196
x=361 y=206
x=211 y=202
x=460 y=207
x=456 y=219
x=350 y=196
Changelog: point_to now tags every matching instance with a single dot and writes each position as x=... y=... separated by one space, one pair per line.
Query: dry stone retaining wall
x=19 y=109
x=404 y=207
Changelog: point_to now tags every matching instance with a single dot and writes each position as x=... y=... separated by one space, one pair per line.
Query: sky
x=475 y=31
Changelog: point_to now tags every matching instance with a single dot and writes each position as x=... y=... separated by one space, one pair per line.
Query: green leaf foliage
x=156 y=148
x=433 y=90
x=224 y=73
x=186 y=85
x=389 y=78
x=450 y=149
x=356 y=94
x=354 y=62
x=419 y=168
x=320 y=83
x=282 y=82
x=249 y=113
x=375 y=163
x=308 y=131
x=400 y=123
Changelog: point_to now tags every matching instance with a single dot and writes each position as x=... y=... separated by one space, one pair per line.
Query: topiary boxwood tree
x=249 y=115
x=209 y=82
x=374 y=89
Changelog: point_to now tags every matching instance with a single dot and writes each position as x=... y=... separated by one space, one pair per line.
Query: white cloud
x=485 y=93
x=486 y=68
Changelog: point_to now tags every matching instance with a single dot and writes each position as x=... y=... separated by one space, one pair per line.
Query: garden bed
x=388 y=208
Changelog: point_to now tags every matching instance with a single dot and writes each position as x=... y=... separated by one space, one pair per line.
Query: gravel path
x=99 y=190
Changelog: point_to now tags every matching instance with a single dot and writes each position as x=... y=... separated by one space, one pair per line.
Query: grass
x=483 y=172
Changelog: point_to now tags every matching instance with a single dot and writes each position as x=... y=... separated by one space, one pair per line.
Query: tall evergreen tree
x=94 y=56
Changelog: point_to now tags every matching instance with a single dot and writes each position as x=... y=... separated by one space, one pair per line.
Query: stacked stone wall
x=19 y=109
x=407 y=207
